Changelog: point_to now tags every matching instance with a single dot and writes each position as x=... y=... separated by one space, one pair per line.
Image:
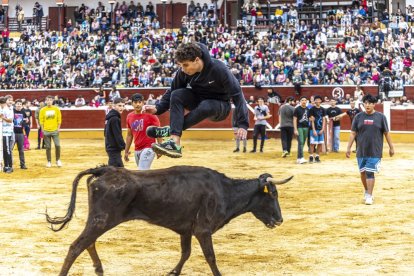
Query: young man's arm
x=41 y=119
x=59 y=119
x=7 y=120
x=295 y=125
x=115 y=126
x=30 y=121
x=390 y=144
x=128 y=142
x=324 y=122
x=233 y=89
x=350 y=142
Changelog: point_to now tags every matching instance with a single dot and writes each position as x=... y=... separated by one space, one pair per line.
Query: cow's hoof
x=99 y=271
x=173 y=273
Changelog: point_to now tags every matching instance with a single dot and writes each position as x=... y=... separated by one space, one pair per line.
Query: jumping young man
x=202 y=85
x=137 y=124
x=370 y=126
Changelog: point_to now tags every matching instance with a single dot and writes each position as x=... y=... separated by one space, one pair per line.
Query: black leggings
x=259 y=130
x=200 y=109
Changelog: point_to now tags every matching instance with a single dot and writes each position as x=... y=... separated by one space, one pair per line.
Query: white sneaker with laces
x=58 y=163
x=303 y=161
x=369 y=200
x=49 y=165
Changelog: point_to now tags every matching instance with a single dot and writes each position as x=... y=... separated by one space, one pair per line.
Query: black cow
x=188 y=200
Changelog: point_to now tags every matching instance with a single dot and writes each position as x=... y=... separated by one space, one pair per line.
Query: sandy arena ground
x=327 y=229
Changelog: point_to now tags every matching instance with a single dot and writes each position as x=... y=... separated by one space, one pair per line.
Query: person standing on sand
x=370 y=126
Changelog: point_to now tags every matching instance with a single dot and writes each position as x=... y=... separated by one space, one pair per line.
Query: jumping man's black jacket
x=215 y=82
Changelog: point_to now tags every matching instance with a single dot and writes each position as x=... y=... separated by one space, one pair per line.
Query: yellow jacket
x=50 y=118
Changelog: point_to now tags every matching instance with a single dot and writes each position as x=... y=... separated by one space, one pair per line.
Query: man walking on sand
x=370 y=126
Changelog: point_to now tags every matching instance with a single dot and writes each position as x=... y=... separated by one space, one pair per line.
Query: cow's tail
x=57 y=223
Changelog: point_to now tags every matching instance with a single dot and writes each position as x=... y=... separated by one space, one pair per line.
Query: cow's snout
x=279 y=222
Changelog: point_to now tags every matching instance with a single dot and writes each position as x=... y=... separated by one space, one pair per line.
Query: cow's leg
x=86 y=239
x=206 y=243
x=97 y=264
x=185 y=254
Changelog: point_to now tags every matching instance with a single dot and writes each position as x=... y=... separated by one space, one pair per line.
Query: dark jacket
x=113 y=132
x=215 y=82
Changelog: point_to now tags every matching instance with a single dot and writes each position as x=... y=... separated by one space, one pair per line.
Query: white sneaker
x=297 y=161
x=49 y=165
x=369 y=200
x=58 y=163
x=303 y=161
x=365 y=195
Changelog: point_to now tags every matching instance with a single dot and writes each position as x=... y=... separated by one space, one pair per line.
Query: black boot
x=254 y=145
x=262 y=145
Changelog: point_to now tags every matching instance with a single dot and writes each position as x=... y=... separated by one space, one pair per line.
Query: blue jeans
x=335 y=138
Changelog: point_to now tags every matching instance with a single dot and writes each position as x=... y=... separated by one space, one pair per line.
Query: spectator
x=2 y=15
x=80 y=101
x=38 y=11
x=113 y=94
x=19 y=16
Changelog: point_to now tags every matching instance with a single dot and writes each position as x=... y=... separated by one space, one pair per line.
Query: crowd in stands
x=135 y=52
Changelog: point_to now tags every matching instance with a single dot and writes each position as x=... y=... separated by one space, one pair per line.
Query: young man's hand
x=391 y=152
x=151 y=109
x=126 y=156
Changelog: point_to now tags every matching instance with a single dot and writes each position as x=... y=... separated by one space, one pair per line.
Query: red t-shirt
x=138 y=124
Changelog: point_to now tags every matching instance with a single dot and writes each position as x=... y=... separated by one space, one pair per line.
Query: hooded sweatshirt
x=113 y=132
x=215 y=82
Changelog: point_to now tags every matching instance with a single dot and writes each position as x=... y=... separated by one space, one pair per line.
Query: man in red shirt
x=5 y=34
x=137 y=124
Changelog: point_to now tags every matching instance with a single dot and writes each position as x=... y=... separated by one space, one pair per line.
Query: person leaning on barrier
x=273 y=96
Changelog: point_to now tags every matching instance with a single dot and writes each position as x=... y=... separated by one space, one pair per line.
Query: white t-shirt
x=7 y=127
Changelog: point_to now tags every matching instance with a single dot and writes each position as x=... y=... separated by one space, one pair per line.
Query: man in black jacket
x=114 y=142
x=204 y=86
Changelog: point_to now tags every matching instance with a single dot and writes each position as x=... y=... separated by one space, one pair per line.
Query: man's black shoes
x=158 y=132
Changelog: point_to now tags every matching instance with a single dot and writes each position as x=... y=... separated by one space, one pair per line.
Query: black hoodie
x=215 y=82
x=113 y=132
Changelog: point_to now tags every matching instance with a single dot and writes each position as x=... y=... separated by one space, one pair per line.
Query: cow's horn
x=278 y=182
